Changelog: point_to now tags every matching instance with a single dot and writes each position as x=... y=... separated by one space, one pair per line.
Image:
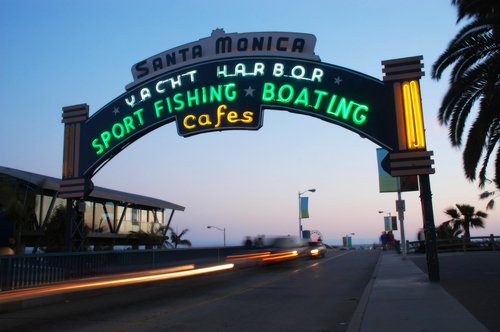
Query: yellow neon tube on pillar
x=415 y=136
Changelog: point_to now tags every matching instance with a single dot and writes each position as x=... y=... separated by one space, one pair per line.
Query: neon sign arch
x=232 y=94
x=227 y=81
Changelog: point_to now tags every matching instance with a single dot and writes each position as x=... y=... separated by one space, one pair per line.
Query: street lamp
x=401 y=230
x=390 y=217
x=385 y=212
x=222 y=230
x=300 y=212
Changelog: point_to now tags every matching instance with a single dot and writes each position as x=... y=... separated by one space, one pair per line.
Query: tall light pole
x=300 y=212
x=401 y=229
x=222 y=230
x=388 y=213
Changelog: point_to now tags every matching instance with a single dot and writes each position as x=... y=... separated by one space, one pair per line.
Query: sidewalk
x=400 y=297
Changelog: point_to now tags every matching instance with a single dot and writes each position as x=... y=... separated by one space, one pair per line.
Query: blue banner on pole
x=304 y=209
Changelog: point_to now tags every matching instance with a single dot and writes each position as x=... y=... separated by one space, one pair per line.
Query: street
x=300 y=295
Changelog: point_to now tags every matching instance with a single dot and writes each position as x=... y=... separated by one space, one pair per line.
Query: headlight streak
x=281 y=255
x=255 y=255
x=170 y=273
x=264 y=256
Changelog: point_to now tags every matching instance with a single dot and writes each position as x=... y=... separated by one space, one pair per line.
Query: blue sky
x=57 y=53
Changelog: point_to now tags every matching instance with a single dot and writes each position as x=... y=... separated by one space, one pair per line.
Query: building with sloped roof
x=111 y=217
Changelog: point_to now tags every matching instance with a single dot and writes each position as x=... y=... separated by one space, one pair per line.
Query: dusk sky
x=57 y=53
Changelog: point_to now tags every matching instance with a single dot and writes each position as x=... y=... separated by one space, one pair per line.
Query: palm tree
x=475 y=56
x=465 y=217
x=446 y=231
x=177 y=238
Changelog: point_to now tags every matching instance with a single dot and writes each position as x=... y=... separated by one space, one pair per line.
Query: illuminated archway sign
x=226 y=81
x=232 y=94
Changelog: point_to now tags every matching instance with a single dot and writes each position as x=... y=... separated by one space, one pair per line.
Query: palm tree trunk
x=467 y=231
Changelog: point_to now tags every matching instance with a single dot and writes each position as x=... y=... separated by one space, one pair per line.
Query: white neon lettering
x=145 y=94
x=278 y=70
x=130 y=103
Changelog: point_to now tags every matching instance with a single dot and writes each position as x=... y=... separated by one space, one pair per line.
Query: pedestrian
x=421 y=241
x=383 y=240
x=248 y=243
x=390 y=240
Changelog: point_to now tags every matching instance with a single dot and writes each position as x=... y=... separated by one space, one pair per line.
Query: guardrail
x=23 y=271
x=474 y=243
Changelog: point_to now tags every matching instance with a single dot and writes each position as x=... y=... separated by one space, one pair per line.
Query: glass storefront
x=103 y=217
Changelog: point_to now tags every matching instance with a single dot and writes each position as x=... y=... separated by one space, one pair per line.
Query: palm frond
x=466 y=39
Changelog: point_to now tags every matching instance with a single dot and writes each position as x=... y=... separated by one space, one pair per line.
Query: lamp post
x=401 y=231
x=385 y=212
x=222 y=230
x=300 y=212
x=390 y=217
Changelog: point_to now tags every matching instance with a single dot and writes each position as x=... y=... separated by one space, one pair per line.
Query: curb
x=357 y=317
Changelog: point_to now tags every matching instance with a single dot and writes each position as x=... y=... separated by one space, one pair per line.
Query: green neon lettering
x=118 y=130
x=138 y=114
x=180 y=103
x=128 y=122
x=359 y=114
x=268 y=92
x=302 y=98
x=158 y=107
x=333 y=98
x=106 y=137
x=281 y=92
x=230 y=91
x=169 y=105
x=320 y=95
x=204 y=95
x=192 y=98
x=99 y=147
x=215 y=94
x=343 y=108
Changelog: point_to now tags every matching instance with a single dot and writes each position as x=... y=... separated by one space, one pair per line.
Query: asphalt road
x=303 y=295
x=473 y=278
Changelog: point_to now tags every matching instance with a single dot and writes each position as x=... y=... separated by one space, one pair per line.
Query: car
x=284 y=248
x=317 y=250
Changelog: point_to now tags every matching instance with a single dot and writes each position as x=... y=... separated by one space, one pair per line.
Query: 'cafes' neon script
x=232 y=101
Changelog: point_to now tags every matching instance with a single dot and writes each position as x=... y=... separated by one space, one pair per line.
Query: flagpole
x=300 y=211
x=300 y=218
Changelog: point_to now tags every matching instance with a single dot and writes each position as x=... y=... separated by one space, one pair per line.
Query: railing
x=474 y=243
x=22 y=271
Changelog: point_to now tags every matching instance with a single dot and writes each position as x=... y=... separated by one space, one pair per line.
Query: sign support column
x=412 y=158
x=74 y=186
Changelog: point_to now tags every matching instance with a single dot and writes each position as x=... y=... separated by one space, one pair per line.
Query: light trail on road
x=112 y=281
